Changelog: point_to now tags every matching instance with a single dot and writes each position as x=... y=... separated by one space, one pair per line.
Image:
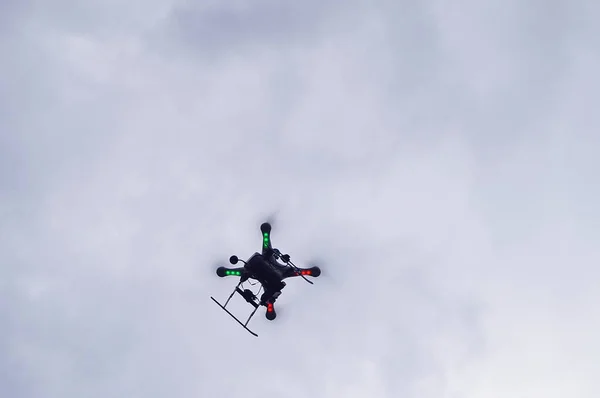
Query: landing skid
x=244 y=325
x=248 y=299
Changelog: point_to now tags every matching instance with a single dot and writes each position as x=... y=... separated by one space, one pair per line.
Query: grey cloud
x=142 y=170
x=210 y=30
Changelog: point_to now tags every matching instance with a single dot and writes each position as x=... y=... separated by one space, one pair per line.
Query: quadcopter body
x=269 y=268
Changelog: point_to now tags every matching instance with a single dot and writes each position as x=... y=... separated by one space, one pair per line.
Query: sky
x=436 y=159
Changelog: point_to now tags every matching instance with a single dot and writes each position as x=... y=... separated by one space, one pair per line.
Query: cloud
x=215 y=30
x=439 y=164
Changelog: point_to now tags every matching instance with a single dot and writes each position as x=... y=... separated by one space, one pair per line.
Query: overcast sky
x=438 y=159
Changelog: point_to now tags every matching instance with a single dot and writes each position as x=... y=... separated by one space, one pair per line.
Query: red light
x=270 y=307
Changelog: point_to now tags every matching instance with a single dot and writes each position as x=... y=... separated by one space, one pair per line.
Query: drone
x=269 y=268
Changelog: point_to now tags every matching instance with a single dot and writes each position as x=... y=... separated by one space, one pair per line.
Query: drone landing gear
x=244 y=325
x=249 y=297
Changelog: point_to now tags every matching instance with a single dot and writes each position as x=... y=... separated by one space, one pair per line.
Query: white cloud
x=446 y=188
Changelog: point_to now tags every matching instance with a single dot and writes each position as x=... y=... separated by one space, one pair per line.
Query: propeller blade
x=272 y=219
x=269 y=217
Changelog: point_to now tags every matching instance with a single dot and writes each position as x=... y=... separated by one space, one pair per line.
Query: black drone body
x=266 y=269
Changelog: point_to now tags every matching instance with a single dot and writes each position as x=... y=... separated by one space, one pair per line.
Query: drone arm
x=224 y=271
x=265 y=230
x=294 y=271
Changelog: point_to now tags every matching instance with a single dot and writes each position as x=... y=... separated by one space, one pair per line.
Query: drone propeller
x=272 y=219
